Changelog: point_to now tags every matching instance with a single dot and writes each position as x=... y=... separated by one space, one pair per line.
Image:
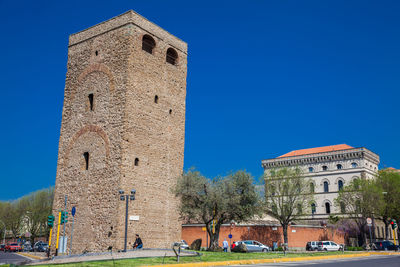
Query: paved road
x=12 y=258
x=372 y=261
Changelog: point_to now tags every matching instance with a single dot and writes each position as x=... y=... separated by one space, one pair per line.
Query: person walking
x=225 y=245
x=138 y=243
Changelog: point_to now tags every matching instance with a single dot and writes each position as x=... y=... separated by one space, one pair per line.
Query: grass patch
x=206 y=257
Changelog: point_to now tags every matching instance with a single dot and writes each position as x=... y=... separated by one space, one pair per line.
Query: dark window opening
x=340 y=185
x=170 y=111
x=172 y=56
x=324 y=168
x=339 y=166
x=310 y=169
x=148 y=44
x=312 y=188
x=86 y=156
x=156 y=99
x=326 y=187
x=90 y=96
x=342 y=207
x=313 y=208
x=136 y=162
x=97 y=53
x=327 y=208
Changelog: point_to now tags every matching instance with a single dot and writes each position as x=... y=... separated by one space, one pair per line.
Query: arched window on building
x=324 y=168
x=340 y=185
x=148 y=44
x=342 y=207
x=327 y=208
x=310 y=169
x=172 y=56
x=313 y=208
x=354 y=165
x=339 y=166
x=312 y=188
x=326 y=187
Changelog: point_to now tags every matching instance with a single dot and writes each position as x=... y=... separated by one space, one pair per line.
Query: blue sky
x=264 y=78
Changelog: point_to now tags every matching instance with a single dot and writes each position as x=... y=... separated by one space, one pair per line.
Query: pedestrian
x=225 y=245
x=138 y=243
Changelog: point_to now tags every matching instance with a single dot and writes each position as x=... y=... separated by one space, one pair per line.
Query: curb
x=31 y=256
x=278 y=260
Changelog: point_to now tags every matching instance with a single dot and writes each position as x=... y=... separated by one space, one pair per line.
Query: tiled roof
x=315 y=150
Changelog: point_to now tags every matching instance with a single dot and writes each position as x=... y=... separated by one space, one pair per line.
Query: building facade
x=123 y=128
x=329 y=168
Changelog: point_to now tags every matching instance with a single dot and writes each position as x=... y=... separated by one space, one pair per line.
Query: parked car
x=312 y=246
x=2 y=247
x=385 y=245
x=40 y=246
x=329 y=246
x=27 y=246
x=13 y=247
x=252 y=246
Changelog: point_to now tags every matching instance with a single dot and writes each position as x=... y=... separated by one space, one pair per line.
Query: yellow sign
x=203 y=229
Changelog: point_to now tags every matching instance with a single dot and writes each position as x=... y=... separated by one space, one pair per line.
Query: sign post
x=369 y=223
x=73 y=211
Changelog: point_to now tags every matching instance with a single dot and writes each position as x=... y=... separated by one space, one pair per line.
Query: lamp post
x=123 y=197
x=4 y=238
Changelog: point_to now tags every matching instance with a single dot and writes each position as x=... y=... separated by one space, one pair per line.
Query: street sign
x=369 y=221
x=203 y=229
x=73 y=211
x=230 y=235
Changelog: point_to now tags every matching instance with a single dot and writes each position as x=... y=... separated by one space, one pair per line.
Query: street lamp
x=123 y=197
x=4 y=238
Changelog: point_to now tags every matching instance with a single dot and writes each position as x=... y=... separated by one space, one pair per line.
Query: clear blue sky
x=264 y=78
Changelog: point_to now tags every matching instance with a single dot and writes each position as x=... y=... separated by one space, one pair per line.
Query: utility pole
x=126 y=198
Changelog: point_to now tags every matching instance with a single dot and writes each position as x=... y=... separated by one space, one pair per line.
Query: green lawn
x=206 y=257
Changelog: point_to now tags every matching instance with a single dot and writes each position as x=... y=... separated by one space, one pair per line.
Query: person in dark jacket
x=138 y=243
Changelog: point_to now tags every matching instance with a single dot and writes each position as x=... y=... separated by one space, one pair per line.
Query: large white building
x=329 y=168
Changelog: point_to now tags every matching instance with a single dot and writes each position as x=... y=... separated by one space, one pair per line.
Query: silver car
x=255 y=246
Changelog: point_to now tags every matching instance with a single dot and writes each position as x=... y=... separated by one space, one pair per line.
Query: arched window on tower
x=172 y=56
x=310 y=169
x=340 y=184
x=327 y=208
x=339 y=166
x=354 y=165
x=326 y=187
x=148 y=44
x=324 y=168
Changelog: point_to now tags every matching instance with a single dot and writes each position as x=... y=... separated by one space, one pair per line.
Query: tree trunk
x=285 y=234
x=214 y=238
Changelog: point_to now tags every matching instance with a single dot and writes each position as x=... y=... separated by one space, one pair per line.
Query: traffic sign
x=230 y=235
x=369 y=221
x=73 y=211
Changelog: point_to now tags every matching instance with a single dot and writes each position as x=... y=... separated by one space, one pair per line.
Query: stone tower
x=123 y=128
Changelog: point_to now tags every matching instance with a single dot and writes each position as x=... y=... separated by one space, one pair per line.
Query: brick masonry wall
x=107 y=61
x=298 y=235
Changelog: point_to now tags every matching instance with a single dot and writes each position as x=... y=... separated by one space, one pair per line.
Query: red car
x=13 y=247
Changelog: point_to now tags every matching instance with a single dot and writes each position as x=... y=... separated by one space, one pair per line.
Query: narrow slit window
x=91 y=97
x=86 y=157
x=136 y=162
x=156 y=99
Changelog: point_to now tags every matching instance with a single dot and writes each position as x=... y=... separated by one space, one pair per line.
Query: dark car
x=385 y=245
x=40 y=246
x=2 y=247
x=13 y=247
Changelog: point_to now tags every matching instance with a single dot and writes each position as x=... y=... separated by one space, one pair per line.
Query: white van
x=329 y=246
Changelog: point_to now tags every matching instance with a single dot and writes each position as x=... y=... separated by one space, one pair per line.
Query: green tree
x=361 y=199
x=388 y=182
x=218 y=201
x=288 y=196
